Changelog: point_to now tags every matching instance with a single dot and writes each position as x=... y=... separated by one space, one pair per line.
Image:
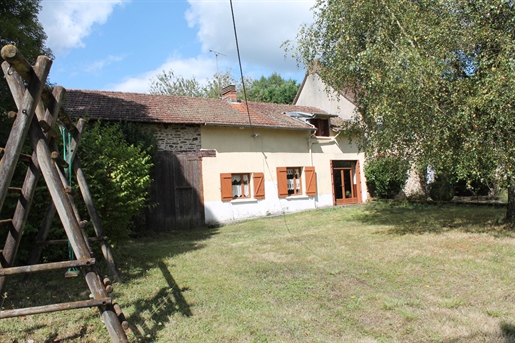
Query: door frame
x=355 y=175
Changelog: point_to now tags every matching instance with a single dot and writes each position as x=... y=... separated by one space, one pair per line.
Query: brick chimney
x=229 y=93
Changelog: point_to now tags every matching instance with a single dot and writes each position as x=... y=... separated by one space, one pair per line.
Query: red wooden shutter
x=282 y=183
x=259 y=185
x=226 y=186
x=311 y=182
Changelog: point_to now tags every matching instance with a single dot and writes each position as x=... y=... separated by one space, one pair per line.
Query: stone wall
x=177 y=137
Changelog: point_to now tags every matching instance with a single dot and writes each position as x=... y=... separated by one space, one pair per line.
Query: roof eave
x=259 y=126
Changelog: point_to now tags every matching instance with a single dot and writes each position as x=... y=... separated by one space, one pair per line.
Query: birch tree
x=434 y=80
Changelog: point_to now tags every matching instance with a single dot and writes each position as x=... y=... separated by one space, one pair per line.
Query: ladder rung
x=64 y=241
x=48 y=129
x=46 y=267
x=23 y=157
x=55 y=307
x=14 y=190
x=70 y=191
x=6 y=222
x=57 y=158
x=121 y=316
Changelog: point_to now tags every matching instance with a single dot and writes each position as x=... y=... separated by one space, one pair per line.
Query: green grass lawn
x=372 y=273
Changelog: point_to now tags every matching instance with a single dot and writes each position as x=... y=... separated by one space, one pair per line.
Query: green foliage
x=273 y=89
x=434 y=80
x=167 y=83
x=19 y=25
x=118 y=175
x=442 y=189
x=171 y=84
x=386 y=176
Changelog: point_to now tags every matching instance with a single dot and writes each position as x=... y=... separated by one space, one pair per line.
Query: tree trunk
x=510 y=209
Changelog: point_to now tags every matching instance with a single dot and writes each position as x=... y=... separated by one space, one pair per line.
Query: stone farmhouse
x=222 y=160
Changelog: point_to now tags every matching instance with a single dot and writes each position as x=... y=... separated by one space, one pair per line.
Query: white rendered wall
x=314 y=93
x=237 y=151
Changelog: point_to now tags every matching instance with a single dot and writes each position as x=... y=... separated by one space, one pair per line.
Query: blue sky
x=122 y=44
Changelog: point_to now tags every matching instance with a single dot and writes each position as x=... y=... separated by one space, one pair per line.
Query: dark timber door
x=176 y=193
x=346 y=182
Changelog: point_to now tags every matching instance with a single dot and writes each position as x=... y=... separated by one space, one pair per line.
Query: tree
x=169 y=83
x=434 y=80
x=19 y=25
x=273 y=89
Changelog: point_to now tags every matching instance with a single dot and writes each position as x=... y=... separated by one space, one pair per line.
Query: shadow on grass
x=135 y=257
x=507 y=336
x=150 y=315
x=139 y=256
x=508 y=332
x=403 y=218
x=56 y=338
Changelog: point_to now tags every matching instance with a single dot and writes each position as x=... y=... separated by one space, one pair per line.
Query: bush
x=466 y=188
x=386 y=176
x=442 y=189
x=118 y=174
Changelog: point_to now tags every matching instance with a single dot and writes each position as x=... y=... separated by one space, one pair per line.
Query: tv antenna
x=217 y=75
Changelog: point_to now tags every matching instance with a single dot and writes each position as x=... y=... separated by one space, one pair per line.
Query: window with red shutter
x=239 y=186
x=289 y=181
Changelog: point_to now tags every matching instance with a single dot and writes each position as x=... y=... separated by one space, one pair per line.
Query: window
x=290 y=181
x=322 y=126
x=239 y=186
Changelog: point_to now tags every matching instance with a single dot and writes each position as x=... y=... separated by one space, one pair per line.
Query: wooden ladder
x=38 y=110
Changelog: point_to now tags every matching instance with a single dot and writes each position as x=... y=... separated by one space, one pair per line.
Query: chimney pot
x=229 y=93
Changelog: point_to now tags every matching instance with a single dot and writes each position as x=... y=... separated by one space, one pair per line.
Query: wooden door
x=346 y=186
x=176 y=193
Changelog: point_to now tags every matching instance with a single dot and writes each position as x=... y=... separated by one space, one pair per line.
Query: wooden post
x=22 y=123
x=71 y=226
x=13 y=56
x=29 y=185
x=28 y=102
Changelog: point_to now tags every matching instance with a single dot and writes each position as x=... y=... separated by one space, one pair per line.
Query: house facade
x=224 y=160
x=313 y=91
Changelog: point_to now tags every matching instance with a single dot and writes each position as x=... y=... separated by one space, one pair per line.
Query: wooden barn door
x=176 y=193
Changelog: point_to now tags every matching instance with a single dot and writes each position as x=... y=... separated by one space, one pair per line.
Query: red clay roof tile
x=168 y=109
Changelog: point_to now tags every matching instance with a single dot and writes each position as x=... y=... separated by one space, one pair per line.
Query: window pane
x=342 y=164
x=240 y=186
x=293 y=178
x=236 y=186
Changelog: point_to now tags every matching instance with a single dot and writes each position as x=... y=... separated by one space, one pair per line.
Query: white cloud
x=262 y=26
x=200 y=67
x=66 y=23
x=98 y=65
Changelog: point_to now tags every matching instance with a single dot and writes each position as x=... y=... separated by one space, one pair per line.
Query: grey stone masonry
x=177 y=137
